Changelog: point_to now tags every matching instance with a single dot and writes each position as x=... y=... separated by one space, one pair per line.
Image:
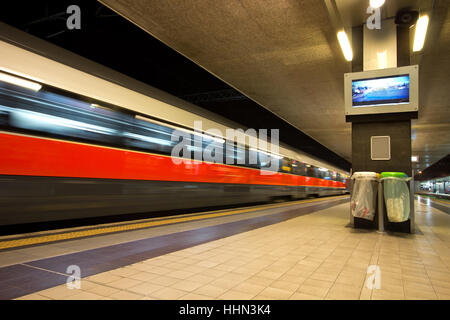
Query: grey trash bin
x=364 y=194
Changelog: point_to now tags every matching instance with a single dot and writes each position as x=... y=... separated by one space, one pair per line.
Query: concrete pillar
x=387 y=47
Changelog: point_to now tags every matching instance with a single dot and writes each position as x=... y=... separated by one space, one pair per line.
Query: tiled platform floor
x=53 y=249
x=314 y=256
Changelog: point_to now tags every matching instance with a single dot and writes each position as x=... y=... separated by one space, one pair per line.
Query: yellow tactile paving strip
x=434 y=199
x=8 y=244
x=446 y=202
x=442 y=201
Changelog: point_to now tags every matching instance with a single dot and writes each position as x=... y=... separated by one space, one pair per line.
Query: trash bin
x=364 y=195
x=396 y=195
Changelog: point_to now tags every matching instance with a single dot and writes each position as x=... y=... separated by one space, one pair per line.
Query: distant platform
x=436 y=195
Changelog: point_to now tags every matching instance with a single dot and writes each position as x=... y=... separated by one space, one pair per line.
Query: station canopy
x=285 y=56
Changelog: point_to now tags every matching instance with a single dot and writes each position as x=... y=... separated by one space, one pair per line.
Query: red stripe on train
x=33 y=156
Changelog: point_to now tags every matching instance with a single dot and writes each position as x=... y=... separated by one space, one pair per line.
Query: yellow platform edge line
x=435 y=199
x=441 y=200
x=7 y=244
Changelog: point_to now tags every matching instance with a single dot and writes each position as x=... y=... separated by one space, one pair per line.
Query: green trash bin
x=396 y=196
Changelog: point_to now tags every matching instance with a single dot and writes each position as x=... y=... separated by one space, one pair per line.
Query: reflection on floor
x=314 y=256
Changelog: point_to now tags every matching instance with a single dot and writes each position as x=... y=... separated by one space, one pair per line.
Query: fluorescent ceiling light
x=421 y=32
x=323 y=169
x=345 y=45
x=376 y=3
x=20 y=82
x=414 y=158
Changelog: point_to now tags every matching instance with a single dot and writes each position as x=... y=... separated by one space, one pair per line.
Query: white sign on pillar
x=380 y=46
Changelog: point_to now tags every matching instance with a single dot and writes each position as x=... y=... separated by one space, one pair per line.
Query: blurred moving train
x=77 y=144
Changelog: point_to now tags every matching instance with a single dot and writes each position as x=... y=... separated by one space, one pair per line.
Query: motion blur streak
x=65 y=156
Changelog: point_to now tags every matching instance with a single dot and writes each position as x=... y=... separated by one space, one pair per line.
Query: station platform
x=439 y=203
x=293 y=250
x=442 y=196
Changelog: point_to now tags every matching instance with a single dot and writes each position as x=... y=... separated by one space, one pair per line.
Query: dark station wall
x=400 y=133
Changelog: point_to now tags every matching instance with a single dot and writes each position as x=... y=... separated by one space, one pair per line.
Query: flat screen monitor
x=382 y=91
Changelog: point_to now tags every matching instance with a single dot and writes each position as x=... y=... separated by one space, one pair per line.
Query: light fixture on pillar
x=345 y=45
x=376 y=3
x=421 y=32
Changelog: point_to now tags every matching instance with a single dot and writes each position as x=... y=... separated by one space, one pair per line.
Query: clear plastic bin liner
x=396 y=197
x=364 y=195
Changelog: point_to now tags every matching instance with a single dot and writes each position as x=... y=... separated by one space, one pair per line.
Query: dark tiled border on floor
x=21 y=279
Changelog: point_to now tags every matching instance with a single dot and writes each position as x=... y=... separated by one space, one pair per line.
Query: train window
x=241 y=155
x=150 y=140
x=59 y=116
x=269 y=162
x=319 y=173
x=253 y=159
x=311 y=171
x=149 y=136
x=208 y=149
x=296 y=167
x=230 y=156
x=326 y=174
x=213 y=151
x=238 y=155
x=286 y=165
x=264 y=160
x=305 y=169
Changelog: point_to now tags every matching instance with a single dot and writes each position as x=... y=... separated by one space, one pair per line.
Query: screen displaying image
x=380 y=91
